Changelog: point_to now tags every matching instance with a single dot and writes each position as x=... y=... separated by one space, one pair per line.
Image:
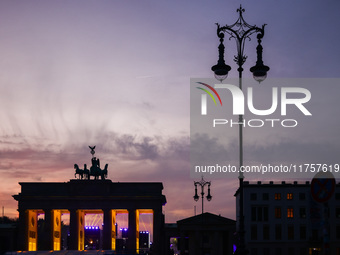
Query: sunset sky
x=116 y=74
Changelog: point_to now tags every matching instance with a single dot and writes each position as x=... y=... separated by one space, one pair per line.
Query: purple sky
x=116 y=74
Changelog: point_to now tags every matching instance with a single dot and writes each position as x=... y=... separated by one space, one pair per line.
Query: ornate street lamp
x=240 y=31
x=202 y=183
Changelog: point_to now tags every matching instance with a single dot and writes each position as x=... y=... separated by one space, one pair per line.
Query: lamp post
x=240 y=31
x=202 y=183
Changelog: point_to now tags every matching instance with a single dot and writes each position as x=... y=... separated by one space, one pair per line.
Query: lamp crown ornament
x=240 y=31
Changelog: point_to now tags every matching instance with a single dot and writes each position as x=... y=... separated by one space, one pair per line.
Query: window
x=302 y=196
x=266 y=251
x=266 y=232
x=289 y=196
x=253 y=251
x=277 y=196
x=265 y=213
x=278 y=212
x=278 y=251
x=278 y=232
x=253 y=232
x=206 y=239
x=290 y=212
x=253 y=196
x=265 y=196
x=290 y=232
x=253 y=213
x=337 y=212
x=303 y=251
x=303 y=232
x=337 y=196
x=259 y=213
x=302 y=212
x=315 y=235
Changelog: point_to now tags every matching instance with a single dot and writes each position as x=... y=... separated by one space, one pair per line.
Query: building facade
x=206 y=233
x=284 y=218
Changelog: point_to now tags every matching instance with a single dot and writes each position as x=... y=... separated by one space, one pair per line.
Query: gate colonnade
x=78 y=197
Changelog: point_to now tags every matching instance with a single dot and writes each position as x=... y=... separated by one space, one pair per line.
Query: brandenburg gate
x=80 y=196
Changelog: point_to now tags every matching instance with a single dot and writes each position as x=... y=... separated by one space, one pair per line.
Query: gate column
x=77 y=235
x=158 y=223
x=22 y=237
x=52 y=230
x=32 y=229
x=109 y=231
x=55 y=229
x=133 y=231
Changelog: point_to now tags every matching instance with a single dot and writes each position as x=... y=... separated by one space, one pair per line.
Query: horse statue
x=86 y=172
x=103 y=173
x=80 y=172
